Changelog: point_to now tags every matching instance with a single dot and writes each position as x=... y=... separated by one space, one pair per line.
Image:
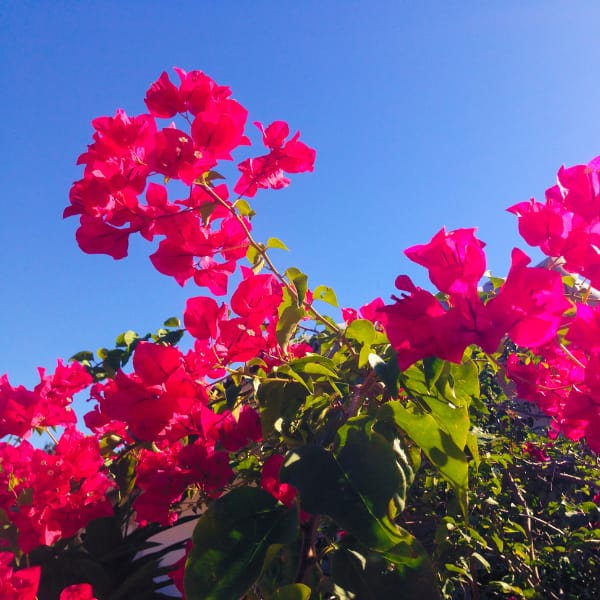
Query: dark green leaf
x=83 y=356
x=172 y=322
x=355 y=488
x=231 y=540
x=279 y=400
x=363 y=575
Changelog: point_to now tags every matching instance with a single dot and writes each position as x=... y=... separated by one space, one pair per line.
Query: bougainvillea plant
x=315 y=459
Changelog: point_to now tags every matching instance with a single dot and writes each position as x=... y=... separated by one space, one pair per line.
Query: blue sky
x=423 y=114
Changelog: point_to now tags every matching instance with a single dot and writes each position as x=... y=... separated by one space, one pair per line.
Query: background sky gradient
x=423 y=114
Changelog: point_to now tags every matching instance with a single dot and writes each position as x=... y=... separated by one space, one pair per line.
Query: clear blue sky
x=423 y=114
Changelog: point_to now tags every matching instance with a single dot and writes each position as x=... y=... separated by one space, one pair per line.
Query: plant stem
x=262 y=251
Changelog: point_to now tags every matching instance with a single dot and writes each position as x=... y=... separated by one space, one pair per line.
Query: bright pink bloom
x=544 y=225
x=584 y=329
x=176 y=156
x=78 y=591
x=349 y=315
x=536 y=453
x=257 y=297
x=163 y=98
x=271 y=482
x=218 y=131
x=530 y=304
x=235 y=435
x=60 y=493
x=98 y=237
x=418 y=326
x=213 y=275
x=455 y=260
x=268 y=171
x=17 y=585
x=201 y=317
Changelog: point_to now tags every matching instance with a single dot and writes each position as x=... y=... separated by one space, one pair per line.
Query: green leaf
x=274 y=242
x=433 y=368
x=83 y=356
x=244 y=208
x=355 y=488
x=290 y=315
x=314 y=364
x=300 y=281
x=206 y=209
x=325 y=294
x=363 y=575
x=364 y=332
x=355 y=498
x=172 y=322
x=252 y=254
x=387 y=371
x=129 y=337
x=295 y=591
x=466 y=381
x=473 y=446
x=439 y=446
x=279 y=400
x=231 y=540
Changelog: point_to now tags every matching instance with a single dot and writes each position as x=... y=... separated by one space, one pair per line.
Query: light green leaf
x=274 y=242
x=244 y=208
x=326 y=294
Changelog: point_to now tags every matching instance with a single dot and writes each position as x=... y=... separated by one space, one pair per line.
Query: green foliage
x=231 y=541
x=415 y=484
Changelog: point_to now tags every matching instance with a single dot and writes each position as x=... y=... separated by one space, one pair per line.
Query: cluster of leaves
x=534 y=521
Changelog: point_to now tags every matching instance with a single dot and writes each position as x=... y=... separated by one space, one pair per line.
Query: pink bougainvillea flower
x=271 y=482
x=257 y=297
x=78 y=591
x=544 y=225
x=584 y=329
x=530 y=304
x=163 y=98
x=176 y=156
x=418 y=326
x=98 y=237
x=213 y=275
x=217 y=132
x=369 y=311
x=538 y=454
x=202 y=316
x=237 y=434
x=19 y=584
x=60 y=492
x=268 y=171
x=455 y=260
